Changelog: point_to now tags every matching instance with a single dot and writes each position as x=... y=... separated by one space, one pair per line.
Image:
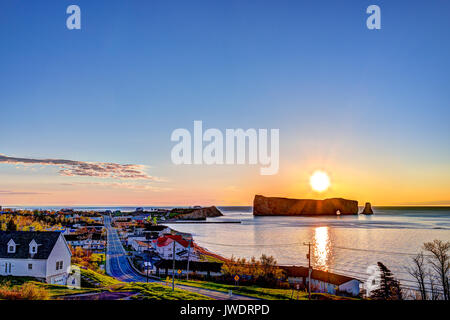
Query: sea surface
x=343 y=244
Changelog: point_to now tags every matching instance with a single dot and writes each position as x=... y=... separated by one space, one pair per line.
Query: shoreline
x=199 y=222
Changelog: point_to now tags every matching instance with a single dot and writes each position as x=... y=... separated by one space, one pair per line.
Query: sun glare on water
x=319 y=181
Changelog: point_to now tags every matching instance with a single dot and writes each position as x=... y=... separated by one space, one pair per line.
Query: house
x=322 y=281
x=164 y=247
x=133 y=238
x=43 y=255
x=159 y=229
x=195 y=267
x=142 y=245
x=94 y=241
x=75 y=240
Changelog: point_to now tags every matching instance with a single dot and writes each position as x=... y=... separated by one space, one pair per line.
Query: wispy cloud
x=13 y=193
x=84 y=168
x=119 y=185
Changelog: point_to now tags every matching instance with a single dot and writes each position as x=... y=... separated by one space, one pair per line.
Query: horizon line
x=179 y=205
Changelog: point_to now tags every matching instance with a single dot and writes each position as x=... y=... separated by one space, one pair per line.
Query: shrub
x=27 y=291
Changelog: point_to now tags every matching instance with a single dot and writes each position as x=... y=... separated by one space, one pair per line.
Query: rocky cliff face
x=198 y=213
x=367 y=209
x=272 y=206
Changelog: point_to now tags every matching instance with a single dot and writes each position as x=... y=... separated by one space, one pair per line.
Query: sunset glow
x=321 y=248
x=319 y=181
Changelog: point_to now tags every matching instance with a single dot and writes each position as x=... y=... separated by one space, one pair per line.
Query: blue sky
x=114 y=91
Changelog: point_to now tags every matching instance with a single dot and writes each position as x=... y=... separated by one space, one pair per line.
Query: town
x=135 y=256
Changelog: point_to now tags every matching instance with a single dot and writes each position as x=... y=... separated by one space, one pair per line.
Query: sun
x=319 y=181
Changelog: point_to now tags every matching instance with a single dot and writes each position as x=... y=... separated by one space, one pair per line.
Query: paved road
x=118 y=266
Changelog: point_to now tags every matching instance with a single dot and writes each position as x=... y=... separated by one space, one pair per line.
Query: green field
x=260 y=292
x=156 y=291
x=153 y=291
x=144 y=291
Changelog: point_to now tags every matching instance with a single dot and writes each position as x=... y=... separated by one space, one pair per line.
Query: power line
x=297 y=244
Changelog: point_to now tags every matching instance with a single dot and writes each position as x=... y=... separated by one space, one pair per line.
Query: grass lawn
x=102 y=279
x=154 y=291
x=56 y=290
x=260 y=292
x=12 y=281
x=206 y=258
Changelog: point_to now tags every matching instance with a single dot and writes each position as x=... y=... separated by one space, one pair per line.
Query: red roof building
x=168 y=239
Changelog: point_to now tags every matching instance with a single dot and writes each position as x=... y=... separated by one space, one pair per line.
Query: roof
x=84 y=236
x=143 y=243
x=97 y=236
x=324 y=276
x=75 y=237
x=168 y=239
x=45 y=240
x=193 y=265
x=155 y=228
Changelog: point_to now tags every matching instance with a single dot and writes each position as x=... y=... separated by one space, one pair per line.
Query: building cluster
x=154 y=248
x=86 y=235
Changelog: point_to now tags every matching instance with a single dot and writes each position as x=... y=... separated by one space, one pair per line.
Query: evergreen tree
x=389 y=286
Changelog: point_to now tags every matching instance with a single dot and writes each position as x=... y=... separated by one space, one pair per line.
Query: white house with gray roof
x=39 y=254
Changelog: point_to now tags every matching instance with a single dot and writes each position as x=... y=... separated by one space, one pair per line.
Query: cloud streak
x=120 y=185
x=14 y=193
x=87 y=169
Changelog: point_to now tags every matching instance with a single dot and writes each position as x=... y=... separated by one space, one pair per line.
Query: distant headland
x=275 y=206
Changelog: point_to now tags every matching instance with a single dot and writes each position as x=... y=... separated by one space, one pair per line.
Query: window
x=30 y=266
x=59 y=265
x=33 y=247
x=11 y=246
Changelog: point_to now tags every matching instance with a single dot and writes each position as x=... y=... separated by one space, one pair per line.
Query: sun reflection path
x=321 y=252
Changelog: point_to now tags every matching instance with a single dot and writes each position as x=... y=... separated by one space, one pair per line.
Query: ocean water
x=342 y=244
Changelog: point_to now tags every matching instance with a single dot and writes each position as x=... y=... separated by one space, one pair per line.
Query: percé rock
x=274 y=206
x=367 y=209
x=197 y=213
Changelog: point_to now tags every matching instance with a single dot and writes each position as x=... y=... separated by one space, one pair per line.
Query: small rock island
x=196 y=213
x=274 y=206
x=367 y=209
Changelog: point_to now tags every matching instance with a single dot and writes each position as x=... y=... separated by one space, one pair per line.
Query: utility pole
x=148 y=253
x=309 y=268
x=173 y=265
x=189 y=253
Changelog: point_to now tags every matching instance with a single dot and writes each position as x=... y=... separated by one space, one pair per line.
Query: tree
x=418 y=272
x=264 y=270
x=435 y=295
x=11 y=226
x=440 y=262
x=389 y=286
x=269 y=267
